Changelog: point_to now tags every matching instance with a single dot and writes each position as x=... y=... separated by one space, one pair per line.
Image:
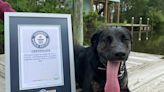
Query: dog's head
x=112 y=44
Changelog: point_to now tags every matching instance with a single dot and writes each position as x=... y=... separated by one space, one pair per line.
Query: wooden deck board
x=145 y=71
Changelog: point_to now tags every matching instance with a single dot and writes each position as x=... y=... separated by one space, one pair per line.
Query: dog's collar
x=101 y=68
x=121 y=70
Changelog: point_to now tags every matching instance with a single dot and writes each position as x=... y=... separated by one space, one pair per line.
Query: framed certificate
x=39 y=53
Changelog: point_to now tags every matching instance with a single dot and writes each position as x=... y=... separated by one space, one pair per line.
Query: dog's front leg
x=87 y=87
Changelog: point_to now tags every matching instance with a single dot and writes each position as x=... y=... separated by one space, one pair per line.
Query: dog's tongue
x=112 y=83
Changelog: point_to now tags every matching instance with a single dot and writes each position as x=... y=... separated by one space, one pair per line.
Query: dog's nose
x=120 y=54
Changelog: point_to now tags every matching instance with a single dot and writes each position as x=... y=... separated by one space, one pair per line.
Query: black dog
x=108 y=45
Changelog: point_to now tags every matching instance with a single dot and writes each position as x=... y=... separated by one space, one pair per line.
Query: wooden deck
x=146 y=73
x=2 y=80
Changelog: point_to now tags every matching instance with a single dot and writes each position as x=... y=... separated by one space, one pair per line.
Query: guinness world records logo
x=40 y=39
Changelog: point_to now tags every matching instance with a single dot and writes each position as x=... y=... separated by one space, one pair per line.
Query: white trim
x=71 y=55
x=27 y=14
x=7 y=54
x=115 y=0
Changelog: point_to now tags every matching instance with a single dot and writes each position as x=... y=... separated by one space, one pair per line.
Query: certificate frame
x=13 y=21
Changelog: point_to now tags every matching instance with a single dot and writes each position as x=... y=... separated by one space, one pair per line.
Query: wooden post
x=78 y=21
x=92 y=3
x=106 y=11
x=112 y=13
x=108 y=14
x=148 y=28
x=96 y=8
x=118 y=12
x=140 y=29
x=132 y=26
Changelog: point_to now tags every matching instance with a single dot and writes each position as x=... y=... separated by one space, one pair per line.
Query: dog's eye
x=124 y=38
x=109 y=39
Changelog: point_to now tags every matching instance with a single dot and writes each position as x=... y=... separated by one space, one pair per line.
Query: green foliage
x=91 y=17
x=91 y=24
x=154 y=45
x=44 y=6
x=1 y=37
x=145 y=8
x=153 y=9
x=157 y=18
x=136 y=9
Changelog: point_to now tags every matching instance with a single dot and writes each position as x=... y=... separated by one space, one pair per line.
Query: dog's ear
x=95 y=38
x=130 y=34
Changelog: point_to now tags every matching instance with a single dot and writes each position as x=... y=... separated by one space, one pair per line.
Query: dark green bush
x=154 y=45
x=92 y=22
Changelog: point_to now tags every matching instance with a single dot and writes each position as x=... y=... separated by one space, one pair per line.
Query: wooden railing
x=141 y=27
